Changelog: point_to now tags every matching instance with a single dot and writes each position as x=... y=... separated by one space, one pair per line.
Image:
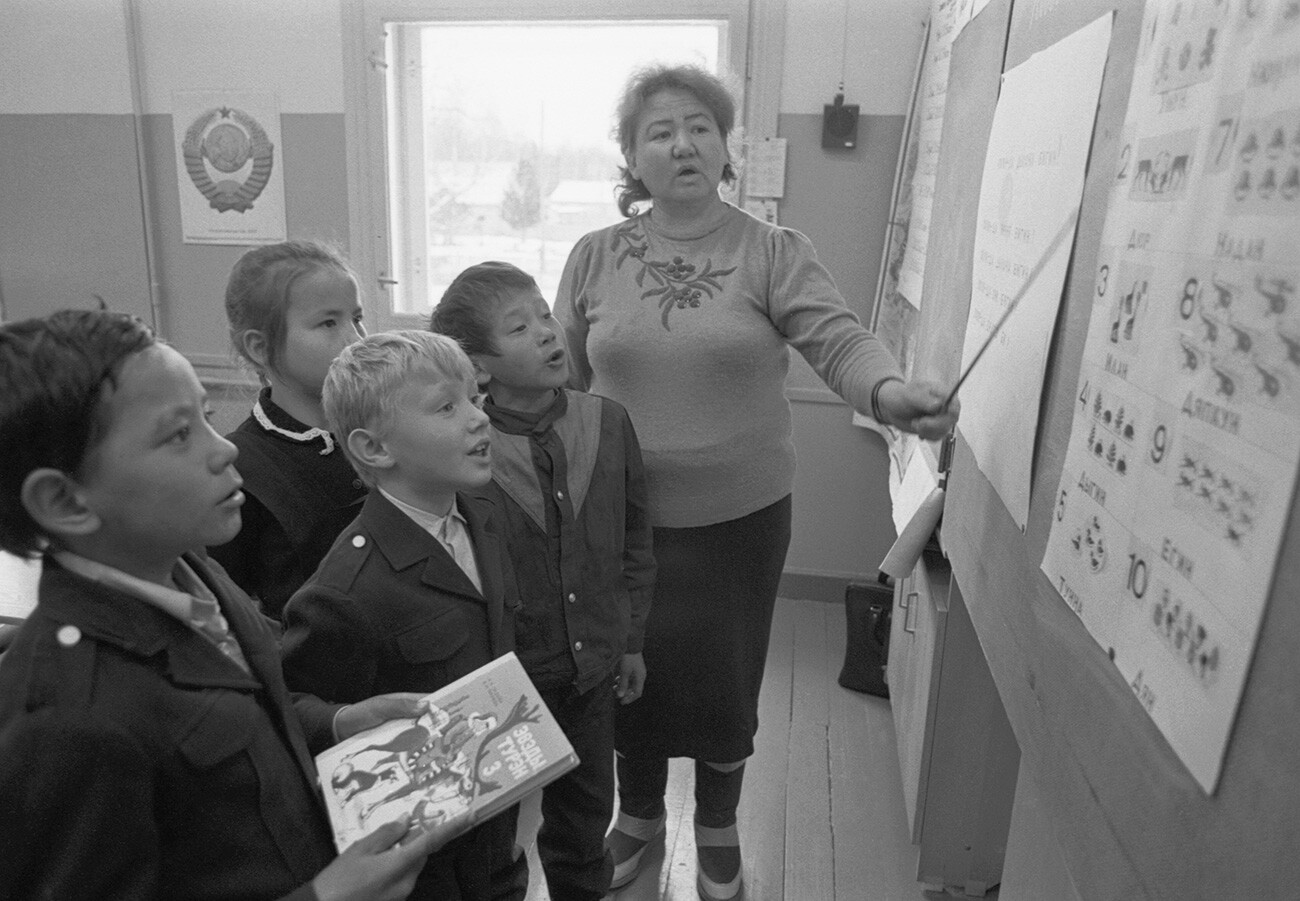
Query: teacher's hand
x=917 y=406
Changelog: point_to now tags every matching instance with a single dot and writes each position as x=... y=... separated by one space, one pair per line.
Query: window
x=475 y=134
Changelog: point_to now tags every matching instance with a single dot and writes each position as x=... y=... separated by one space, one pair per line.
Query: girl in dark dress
x=292 y=307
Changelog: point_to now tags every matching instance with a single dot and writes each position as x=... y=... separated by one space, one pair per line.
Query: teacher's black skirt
x=706 y=638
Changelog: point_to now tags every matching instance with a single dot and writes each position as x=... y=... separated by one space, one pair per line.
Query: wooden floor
x=822 y=815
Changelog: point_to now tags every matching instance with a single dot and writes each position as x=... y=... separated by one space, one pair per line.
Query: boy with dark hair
x=417 y=591
x=567 y=472
x=148 y=747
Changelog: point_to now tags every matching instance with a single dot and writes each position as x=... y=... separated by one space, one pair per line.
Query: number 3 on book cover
x=479 y=745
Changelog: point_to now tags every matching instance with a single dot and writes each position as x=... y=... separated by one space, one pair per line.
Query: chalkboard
x=1131 y=821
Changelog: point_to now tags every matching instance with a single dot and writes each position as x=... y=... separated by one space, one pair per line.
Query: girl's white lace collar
x=265 y=422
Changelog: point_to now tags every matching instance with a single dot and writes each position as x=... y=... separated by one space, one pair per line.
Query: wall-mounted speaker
x=840 y=125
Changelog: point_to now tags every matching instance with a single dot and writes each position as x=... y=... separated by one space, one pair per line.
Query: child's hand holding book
x=372 y=712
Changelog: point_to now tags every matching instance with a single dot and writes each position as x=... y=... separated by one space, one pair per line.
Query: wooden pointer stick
x=1024 y=289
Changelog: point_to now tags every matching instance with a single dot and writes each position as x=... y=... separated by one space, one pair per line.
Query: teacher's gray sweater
x=690 y=332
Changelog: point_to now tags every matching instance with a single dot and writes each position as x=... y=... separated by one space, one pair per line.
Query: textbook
x=480 y=745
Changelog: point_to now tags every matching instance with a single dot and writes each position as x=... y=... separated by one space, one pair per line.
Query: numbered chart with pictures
x=1182 y=459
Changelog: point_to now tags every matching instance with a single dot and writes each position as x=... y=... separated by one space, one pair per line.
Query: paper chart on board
x=946 y=20
x=1181 y=465
x=1032 y=184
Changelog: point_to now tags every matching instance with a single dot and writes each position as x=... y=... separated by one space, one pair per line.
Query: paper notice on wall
x=762 y=208
x=1032 y=184
x=1182 y=459
x=946 y=20
x=230 y=167
x=765 y=168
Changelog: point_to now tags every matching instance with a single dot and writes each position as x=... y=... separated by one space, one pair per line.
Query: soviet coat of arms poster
x=230 y=167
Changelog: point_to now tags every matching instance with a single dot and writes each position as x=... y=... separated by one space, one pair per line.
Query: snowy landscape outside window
x=499 y=139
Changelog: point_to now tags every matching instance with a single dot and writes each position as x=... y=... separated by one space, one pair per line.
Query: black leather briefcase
x=868 y=608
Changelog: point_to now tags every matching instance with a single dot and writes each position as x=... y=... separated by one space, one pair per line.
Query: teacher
x=684 y=313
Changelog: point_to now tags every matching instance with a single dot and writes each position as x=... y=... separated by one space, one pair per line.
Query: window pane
x=517 y=160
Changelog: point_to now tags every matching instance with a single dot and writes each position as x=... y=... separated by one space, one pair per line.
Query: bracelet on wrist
x=875 y=398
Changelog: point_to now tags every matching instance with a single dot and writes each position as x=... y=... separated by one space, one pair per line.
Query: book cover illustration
x=481 y=744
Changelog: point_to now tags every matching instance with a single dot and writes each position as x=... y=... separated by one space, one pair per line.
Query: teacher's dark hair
x=643 y=84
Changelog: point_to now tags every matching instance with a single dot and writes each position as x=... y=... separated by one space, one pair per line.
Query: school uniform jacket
x=138 y=761
x=389 y=610
x=573 y=497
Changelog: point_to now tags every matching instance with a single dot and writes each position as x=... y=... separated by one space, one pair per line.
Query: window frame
x=755 y=37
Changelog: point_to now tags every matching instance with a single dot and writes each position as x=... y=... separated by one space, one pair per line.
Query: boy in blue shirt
x=567 y=473
x=148 y=747
x=417 y=591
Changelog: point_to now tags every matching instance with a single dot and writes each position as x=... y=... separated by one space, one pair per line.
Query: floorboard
x=822 y=816
x=809 y=852
x=762 y=814
x=874 y=857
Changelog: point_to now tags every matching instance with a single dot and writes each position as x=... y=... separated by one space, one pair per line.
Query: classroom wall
x=840 y=199
x=81 y=174
x=70 y=218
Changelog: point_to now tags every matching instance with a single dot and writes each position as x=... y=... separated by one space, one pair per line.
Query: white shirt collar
x=430 y=522
x=310 y=435
x=170 y=600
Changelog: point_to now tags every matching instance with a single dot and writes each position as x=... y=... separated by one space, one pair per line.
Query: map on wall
x=1186 y=435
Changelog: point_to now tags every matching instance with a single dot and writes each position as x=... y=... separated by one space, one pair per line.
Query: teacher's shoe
x=628 y=841
x=718 y=858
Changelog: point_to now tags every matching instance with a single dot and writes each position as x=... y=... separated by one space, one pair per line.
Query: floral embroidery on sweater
x=677 y=283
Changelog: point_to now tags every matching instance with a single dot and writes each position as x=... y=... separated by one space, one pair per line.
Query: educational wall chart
x=893 y=317
x=946 y=20
x=1182 y=458
x=1032 y=183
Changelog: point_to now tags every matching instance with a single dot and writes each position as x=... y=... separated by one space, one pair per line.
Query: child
x=292 y=307
x=416 y=592
x=567 y=472
x=148 y=748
